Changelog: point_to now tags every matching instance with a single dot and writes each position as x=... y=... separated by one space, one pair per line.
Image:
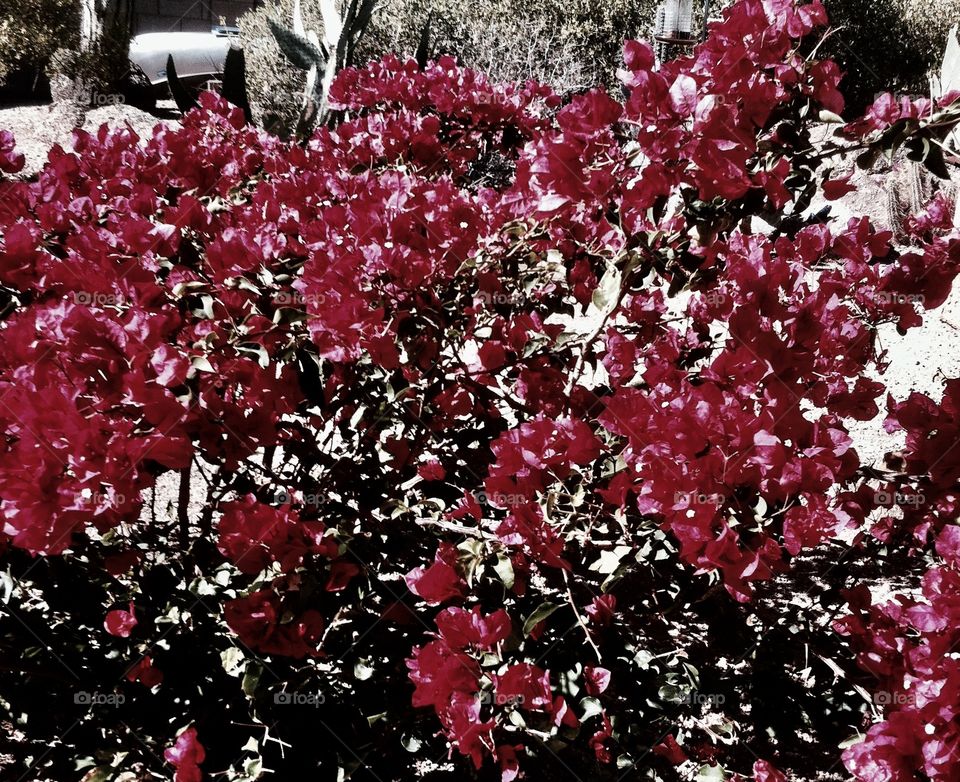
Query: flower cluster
x=908 y=646
x=485 y=381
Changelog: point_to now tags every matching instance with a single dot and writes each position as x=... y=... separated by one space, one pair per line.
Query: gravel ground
x=38 y=128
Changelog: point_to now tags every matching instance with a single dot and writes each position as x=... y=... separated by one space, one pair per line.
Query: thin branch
x=576 y=613
x=183 y=503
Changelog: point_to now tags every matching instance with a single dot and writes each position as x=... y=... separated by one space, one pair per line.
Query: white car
x=199 y=57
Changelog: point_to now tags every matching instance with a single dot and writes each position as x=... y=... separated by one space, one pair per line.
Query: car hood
x=195 y=54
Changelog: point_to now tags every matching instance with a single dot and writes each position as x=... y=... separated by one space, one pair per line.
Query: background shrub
x=39 y=42
x=30 y=32
x=928 y=22
x=888 y=45
x=568 y=45
x=100 y=74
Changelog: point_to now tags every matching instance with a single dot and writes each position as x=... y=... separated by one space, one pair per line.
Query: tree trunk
x=97 y=18
x=91 y=23
x=97 y=15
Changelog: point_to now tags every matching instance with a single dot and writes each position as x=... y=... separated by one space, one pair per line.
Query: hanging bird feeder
x=674 y=23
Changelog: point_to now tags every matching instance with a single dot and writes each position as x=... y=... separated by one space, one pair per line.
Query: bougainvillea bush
x=483 y=437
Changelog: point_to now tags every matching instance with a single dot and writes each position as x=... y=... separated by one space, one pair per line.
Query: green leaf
x=296 y=48
x=711 y=774
x=539 y=614
x=201 y=364
x=184 y=100
x=423 y=48
x=591 y=707
x=298 y=26
x=332 y=22
x=232 y=660
x=917 y=148
x=610 y=560
x=643 y=658
x=362 y=669
x=470 y=558
x=504 y=569
x=258 y=351
x=852 y=741
x=361 y=20
x=202 y=588
x=7 y=586
x=234 y=88
x=606 y=295
x=253 y=768
x=866 y=160
x=935 y=162
x=251 y=679
x=670 y=693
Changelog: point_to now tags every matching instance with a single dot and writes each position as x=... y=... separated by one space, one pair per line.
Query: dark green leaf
x=181 y=96
x=868 y=159
x=298 y=50
x=423 y=48
x=935 y=163
x=538 y=615
x=235 y=81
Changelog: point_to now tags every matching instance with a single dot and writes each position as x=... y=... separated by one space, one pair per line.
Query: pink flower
x=439 y=582
x=121 y=623
x=596 y=679
x=185 y=756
